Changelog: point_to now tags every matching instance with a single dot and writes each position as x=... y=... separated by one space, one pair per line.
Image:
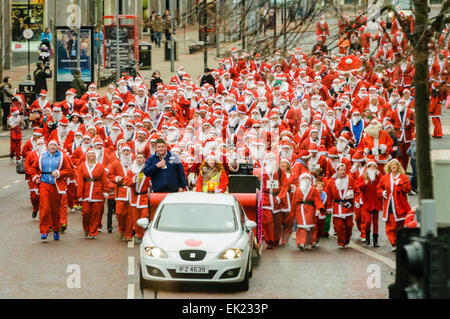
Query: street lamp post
x=117 y=42
x=205 y=37
x=29 y=27
x=172 y=41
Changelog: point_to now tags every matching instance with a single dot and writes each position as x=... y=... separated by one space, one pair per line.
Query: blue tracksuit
x=50 y=163
x=167 y=180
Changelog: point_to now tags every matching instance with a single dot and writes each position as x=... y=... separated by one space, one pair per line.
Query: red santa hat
x=43 y=93
x=333 y=153
x=305 y=154
x=346 y=136
x=125 y=146
x=358 y=156
x=37 y=131
x=98 y=141
x=64 y=121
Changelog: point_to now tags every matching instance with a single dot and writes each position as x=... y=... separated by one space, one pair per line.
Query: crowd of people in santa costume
x=329 y=144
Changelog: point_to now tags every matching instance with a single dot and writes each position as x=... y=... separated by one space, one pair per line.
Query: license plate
x=192 y=269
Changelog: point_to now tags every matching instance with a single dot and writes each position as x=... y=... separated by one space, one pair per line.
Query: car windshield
x=203 y=218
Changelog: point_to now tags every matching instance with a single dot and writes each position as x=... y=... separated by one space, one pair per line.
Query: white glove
x=385 y=194
x=366 y=151
x=135 y=179
x=356 y=205
x=374 y=151
x=293 y=188
x=106 y=195
x=383 y=148
x=278 y=200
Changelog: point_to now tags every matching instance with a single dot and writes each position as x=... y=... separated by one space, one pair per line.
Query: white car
x=197 y=237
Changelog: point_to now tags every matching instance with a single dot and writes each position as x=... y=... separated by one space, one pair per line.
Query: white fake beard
x=88 y=123
x=70 y=99
x=355 y=120
x=84 y=147
x=305 y=185
x=270 y=167
x=173 y=137
x=189 y=94
x=299 y=92
x=341 y=146
x=371 y=174
x=341 y=183
x=314 y=105
x=98 y=155
x=373 y=108
x=261 y=91
x=401 y=108
x=274 y=124
x=123 y=122
x=73 y=126
x=128 y=134
x=233 y=121
x=284 y=87
x=114 y=136
x=260 y=154
x=57 y=117
x=77 y=141
x=336 y=87
x=248 y=100
x=373 y=131
x=123 y=89
x=286 y=154
x=262 y=106
x=283 y=107
x=136 y=169
x=227 y=106
x=330 y=120
x=125 y=160
x=41 y=149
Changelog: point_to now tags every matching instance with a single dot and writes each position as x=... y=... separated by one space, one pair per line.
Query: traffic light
x=423 y=266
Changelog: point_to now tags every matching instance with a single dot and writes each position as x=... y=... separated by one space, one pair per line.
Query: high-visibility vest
x=214 y=179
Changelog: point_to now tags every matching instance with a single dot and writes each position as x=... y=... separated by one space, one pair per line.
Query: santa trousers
x=49 y=208
x=15 y=148
x=91 y=215
x=304 y=236
x=343 y=227
x=137 y=214
x=437 y=132
x=369 y=219
x=283 y=224
x=34 y=198
x=124 y=218
x=358 y=219
x=63 y=209
x=404 y=160
x=318 y=230
x=268 y=225
x=102 y=210
x=71 y=195
x=391 y=228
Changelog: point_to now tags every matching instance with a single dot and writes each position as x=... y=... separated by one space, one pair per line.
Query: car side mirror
x=143 y=222
x=250 y=224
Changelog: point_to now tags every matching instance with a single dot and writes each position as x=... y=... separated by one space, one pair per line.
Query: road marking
x=131 y=244
x=372 y=254
x=18 y=181
x=130 y=294
x=131 y=266
x=440 y=155
x=6 y=186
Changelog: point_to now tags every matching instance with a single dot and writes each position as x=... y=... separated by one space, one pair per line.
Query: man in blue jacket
x=165 y=170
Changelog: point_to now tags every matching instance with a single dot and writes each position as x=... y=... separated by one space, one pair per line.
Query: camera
x=53 y=126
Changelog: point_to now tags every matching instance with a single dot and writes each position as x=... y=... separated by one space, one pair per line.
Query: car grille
x=192 y=255
x=176 y=275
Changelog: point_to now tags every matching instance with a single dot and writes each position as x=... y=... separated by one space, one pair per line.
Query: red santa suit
x=343 y=195
x=435 y=112
x=394 y=190
x=50 y=194
x=305 y=204
x=123 y=196
x=371 y=205
x=380 y=147
x=275 y=186
x=322 y=31
x=91 y=192
x=404 y=125
x=139 y=185
x=30 y=159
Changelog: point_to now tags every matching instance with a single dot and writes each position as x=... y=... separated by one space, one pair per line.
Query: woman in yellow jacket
x=212 y=177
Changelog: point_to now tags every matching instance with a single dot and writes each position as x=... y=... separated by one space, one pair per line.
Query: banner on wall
x=68 y=41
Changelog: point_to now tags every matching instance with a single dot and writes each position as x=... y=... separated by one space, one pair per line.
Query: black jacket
x=154 y=85
x=40 y=80
x=208 y=79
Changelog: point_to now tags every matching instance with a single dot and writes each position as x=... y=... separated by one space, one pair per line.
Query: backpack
x=20 y=167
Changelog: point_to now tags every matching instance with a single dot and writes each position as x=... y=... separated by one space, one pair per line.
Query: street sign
x=28 y=34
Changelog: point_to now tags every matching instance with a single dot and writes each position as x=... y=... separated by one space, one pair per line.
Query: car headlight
x=155 y=252
x=230 y=254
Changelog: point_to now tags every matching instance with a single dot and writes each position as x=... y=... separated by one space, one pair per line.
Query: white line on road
x=131 y=266
x=6 y=186
x=18 y=181
x=131 y=244
x=130 y=294
x=372 y=254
